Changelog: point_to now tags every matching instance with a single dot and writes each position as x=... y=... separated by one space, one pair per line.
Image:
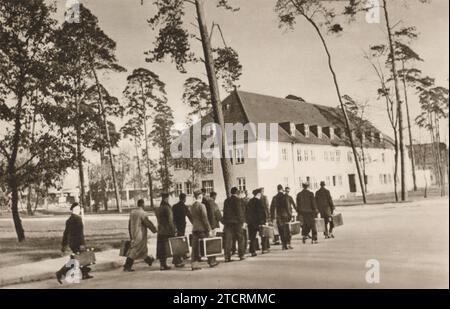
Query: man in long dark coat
x=137 y=227
x=265 y=240
x=166 y=230
x=306 y=205
x=281 y=212
x=180 y=213
x=256 y=216
x=326 y=208
x=233 y=220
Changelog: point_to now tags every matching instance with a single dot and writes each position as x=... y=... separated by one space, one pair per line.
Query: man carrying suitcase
x=326 y=208
x=73 y=238
x=180 y=212
x=137 y=227
x=256 y=216
x=166 y=229
x=200 y=229
x=281 y=212
x=306 y=204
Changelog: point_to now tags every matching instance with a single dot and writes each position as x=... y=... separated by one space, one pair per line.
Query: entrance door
x=352 y=182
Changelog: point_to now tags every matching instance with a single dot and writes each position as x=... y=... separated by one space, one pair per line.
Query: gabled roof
x=244 y=107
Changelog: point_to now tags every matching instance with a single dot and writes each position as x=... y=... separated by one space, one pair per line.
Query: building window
x=178 y=188
x=188 y=187
x=390 y=178
x=306 y=130
x=325 y=155
x=383 y=157
x=178 y=165
x=332 y=156
x=241 y=183
x=340 y=180
x=350 y=156
x=328 y=182
x=284 y=154
x=385 y=179
x=239 y=156
x=315 y=184
x=308 y=179
x=209 y=166
x=231 y=157
x=208 y=185
x=305 y=155
x=313 y=155
x=299 y=155
x=319 y=132
x=334 y=181
x=338 y=155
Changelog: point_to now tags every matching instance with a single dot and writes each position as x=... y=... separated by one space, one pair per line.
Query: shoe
x=326 y=237
x=284 y=248
x=331 y=235
x=213 y=264
x=241 y=258
x=314 y=242
x=290 y=247
x=128 y=270
x=277 y=243
x=59 y=277
x=254 y=254
x=228 y=260
x=304 y=239
x=149 y=260
x=165 y=267
x=180 y=265
x=87 y=277
x=265 y=251
x=194 y=268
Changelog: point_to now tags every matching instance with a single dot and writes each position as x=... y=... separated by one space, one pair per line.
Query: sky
x=278 y=62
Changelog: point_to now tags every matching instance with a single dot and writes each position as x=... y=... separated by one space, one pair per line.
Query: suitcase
x=294 y=227
x=338 y=220
x=320 y=225
x=211 y=246
x=85 y=258
x=124 y=247
x=179 y=246
x=266 y=231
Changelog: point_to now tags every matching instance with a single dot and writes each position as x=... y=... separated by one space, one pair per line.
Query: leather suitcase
x=266 y=231
x=85 y=258
x=320 y=225
x=338 y=220
x=179 y=246
x=124 y=247
x=294 y=227
x=211 y=246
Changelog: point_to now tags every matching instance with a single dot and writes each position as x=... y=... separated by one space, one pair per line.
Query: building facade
x=309 y=145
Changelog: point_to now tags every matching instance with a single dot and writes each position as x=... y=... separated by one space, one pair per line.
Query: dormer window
x=307 y=130
x=292 y=128
x=319 y=132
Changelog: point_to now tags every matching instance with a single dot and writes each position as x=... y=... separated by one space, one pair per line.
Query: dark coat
x=280 y=208
x=200 y=222
x=73 y=234
x=214 y=214
x=256 y=215
x=324 y=202
x=233 y=211
x=265 y=203
x=180 y=212
x=165 y=220
x=306 y=203
x=291 y=203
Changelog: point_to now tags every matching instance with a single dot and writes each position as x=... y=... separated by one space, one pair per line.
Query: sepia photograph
x=215 y=145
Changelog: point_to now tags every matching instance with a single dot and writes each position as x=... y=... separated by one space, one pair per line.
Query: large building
x=310 y=145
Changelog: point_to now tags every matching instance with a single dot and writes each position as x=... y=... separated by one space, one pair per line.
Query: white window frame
x=239 y=153
x=208 y=185
x=242 y=183
x=188 y=188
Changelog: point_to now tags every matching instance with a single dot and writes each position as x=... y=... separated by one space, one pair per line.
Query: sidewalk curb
x=105 y=266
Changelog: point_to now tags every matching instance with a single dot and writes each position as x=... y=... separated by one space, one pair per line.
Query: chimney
x=317 y=130
x=303 y=128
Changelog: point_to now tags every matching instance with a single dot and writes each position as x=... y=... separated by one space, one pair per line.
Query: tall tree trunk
x=139 y=169
x=399 y=105
x=411 y=142
x=147 y=158
x=396 y=165
x=214 y=89
x=12 y=177
x=344 y=111
x=439 y=158
x=102 y=179
x=108 y=139
x=80 y=158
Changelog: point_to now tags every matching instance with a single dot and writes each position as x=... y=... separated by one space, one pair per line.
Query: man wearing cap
x=280 y=211
x=306 y=204
x=73 y=238
x=200 y=229
x=256 y=216
x=180 y=212
x=166 y=229
x=326 y=208
x=137 y=228
x=233 y=220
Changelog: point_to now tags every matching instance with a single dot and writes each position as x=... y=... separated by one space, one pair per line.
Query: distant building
x=311 y=146
x=426 y=164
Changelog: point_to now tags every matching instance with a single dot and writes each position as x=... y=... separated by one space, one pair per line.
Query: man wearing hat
x=166 y=229
x=306 y=205
x=73 y=238
x=200 y=229
x=180 y=213
x=281 y=212
x=137 y=227
x=256 y=216
x=233 y=221
x=326 y=208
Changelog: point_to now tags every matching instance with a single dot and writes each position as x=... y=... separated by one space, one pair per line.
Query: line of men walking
x=242 y=218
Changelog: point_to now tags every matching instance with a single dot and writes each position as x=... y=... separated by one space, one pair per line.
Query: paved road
x=411 y=242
